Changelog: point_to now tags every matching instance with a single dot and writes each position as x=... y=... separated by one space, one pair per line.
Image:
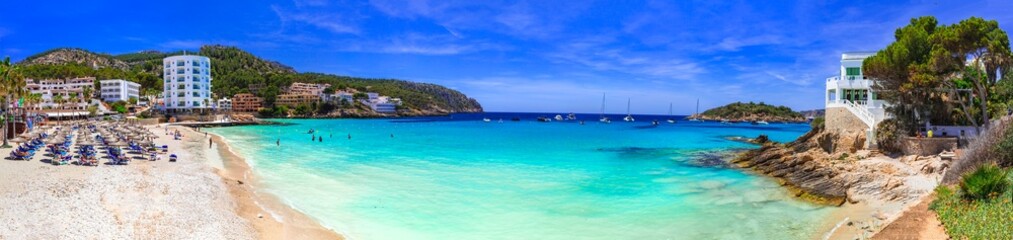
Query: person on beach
x=210 y=143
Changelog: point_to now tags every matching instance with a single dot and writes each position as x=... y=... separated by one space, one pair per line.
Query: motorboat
x=761 y=122
x=544 y=119
x=558 y=117
x=571 y=116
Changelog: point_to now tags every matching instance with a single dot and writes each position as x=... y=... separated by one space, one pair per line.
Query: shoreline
x=270 y=217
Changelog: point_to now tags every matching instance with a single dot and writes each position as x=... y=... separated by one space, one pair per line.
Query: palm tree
x=73 y=99
x=12 y=85
x=87 y=92
x=58 y=99
x=204 y=110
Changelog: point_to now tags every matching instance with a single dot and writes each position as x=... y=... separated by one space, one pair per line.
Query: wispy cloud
x=599 y=55
x=182 y=44
x=329 y=21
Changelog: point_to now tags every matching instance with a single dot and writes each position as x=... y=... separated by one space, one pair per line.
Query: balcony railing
x=849 y=78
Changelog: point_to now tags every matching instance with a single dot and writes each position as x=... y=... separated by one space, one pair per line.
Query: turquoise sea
x=461 y=178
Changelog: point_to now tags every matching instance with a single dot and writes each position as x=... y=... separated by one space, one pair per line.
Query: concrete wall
x=927 y=146
x=839 y=118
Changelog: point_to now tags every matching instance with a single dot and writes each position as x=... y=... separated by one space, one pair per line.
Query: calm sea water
x=461 y=178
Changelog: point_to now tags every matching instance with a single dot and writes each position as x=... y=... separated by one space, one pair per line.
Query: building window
x=853 y=71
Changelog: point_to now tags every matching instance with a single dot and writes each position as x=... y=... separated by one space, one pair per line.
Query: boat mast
x=627 y=107
x=669 y=109
x=602 y=105
x=697 y=115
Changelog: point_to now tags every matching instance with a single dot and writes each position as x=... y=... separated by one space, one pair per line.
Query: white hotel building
x=187 y=82
x=113 y=90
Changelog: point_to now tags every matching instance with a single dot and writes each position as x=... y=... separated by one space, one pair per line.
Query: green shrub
x=887 y=133
x=986 y=182
x=1004 y=149
x=817 y=122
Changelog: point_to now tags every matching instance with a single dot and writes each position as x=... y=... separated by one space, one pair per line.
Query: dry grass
x=981 y=151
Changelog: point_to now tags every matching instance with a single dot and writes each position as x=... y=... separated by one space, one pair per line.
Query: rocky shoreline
x=831 y=168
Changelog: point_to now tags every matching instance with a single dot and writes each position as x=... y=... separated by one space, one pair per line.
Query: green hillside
x=740 y=111
x=233 y=71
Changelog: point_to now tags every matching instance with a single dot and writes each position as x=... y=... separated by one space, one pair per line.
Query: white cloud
x=332 y=22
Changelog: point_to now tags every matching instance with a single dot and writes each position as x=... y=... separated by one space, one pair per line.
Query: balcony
x=850 y=82
x=180 y=64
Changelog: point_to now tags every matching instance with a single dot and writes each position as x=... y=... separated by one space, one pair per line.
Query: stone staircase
x=868 y=118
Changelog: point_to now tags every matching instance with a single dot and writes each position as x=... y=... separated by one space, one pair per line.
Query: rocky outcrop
x=74 y=55
x=830 y=167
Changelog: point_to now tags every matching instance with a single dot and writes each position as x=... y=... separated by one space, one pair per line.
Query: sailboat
x=670 y=119
x=628 y=118
x=603 y=118
x=696 y=116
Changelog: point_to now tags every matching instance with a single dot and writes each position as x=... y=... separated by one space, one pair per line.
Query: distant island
x=236 y=72
x=749 y=112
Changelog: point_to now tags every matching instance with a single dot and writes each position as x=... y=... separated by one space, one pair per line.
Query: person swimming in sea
x=314 y=138
x=277 y=142
x=349 y=136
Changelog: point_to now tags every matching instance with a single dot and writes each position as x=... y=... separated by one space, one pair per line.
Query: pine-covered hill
x=740 y=111
x=233 y=71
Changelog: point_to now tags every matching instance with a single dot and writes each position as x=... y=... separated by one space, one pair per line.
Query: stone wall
x=839 y=118
x=927 y=146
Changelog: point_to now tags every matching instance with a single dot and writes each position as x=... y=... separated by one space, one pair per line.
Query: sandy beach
x=208 y=194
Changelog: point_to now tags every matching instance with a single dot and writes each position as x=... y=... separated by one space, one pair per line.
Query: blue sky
x=541 y=56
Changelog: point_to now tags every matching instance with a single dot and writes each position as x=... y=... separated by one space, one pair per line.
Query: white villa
x=850 y=100
x=187 y=81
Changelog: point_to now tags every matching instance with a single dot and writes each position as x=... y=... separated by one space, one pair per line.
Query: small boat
x=761 y=122
x=725 y=121
x=486 y=120
x=571 y=116
x=603 y=118
x=628 y=118
x=655 y=123
x=559 y=117
x=544 y=119
x=311 y=131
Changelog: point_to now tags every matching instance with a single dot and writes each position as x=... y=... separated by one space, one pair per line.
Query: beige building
x=245 y=102
x=292 y=100
x=307 y=88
